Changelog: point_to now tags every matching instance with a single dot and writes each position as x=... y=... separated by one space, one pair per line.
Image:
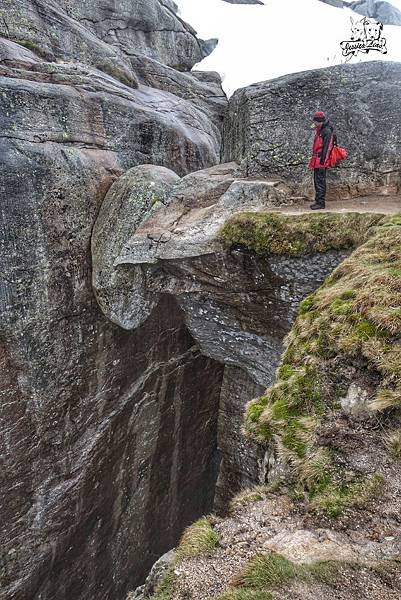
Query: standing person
x=322 y=146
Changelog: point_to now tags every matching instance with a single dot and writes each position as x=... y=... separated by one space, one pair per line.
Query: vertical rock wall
x=268 y=128
x=107 y=437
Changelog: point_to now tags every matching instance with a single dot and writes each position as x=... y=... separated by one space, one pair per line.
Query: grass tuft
x=385 y=400
x=250 y=495
x=350 y=326
x=165 y=589
x=265 y=571
x=245 y=594
x=198 y=538
x=336 y=496
x=392 y=441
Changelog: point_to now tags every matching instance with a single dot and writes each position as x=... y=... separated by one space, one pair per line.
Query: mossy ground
x=350 y=327
x=294 y=235
x=352 y=323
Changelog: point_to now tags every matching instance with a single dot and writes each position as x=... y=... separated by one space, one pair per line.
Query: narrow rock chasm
x=238 y=307
x=155 y=244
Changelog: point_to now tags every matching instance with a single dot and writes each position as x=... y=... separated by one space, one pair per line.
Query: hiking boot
x=317 y=206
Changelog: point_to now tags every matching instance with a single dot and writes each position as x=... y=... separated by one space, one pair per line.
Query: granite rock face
x=141 y=41
x=382 y=11
x=77 y=105
x=87 y=410
x=244 y=1
x=102 y=34
x=148 y=27
x=237 y=306
x=337 y=3
x=268 y=126
x=385 y=12
x=90 y=476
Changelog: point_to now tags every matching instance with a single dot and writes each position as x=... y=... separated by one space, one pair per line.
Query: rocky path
x=377 y=204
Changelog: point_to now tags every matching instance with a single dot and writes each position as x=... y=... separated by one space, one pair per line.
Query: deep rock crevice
x=237 y=306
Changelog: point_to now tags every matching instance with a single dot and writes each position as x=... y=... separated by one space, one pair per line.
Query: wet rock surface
x=74 y=105
x=102 y=34
x=237 y=306
x=267 y=139
x=88 y=410
x=90 y=476
x=111 y=435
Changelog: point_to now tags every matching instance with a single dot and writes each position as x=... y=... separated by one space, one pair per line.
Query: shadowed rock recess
x=135 y=326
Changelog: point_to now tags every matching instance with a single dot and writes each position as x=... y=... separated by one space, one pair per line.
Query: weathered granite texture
x=102 y=34
x=141 y=41
x=90 y=475
x=149 y=27
x=337 y=3
x=382 y=11
x=385 y=12
x=203 y=88
x=268 y=126
x=244 y=1
x=72 y=104
x=237 y=306
x=93 y=489
x=242 y=462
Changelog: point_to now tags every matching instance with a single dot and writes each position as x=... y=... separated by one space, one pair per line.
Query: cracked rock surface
x=237 y=306
x=268 y=139
x=90 y=477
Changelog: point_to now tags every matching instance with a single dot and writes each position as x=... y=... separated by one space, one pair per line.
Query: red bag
x=337 y=153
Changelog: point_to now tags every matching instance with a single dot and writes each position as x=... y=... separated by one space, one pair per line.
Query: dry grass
x=250 y=495
x=353 y=319
x=392 y=441
x=386 y=399
x=198 y=538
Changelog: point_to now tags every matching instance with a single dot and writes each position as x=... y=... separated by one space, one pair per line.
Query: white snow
x=283 y=36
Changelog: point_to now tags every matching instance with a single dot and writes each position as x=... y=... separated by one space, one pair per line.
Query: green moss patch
x=294 y=235
x=352 y=320
x=332 y=498
x=165 y=589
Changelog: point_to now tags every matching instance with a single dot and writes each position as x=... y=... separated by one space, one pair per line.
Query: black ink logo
x=366 y=35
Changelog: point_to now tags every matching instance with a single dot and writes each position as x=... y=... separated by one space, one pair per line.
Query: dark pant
x=319 y=179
